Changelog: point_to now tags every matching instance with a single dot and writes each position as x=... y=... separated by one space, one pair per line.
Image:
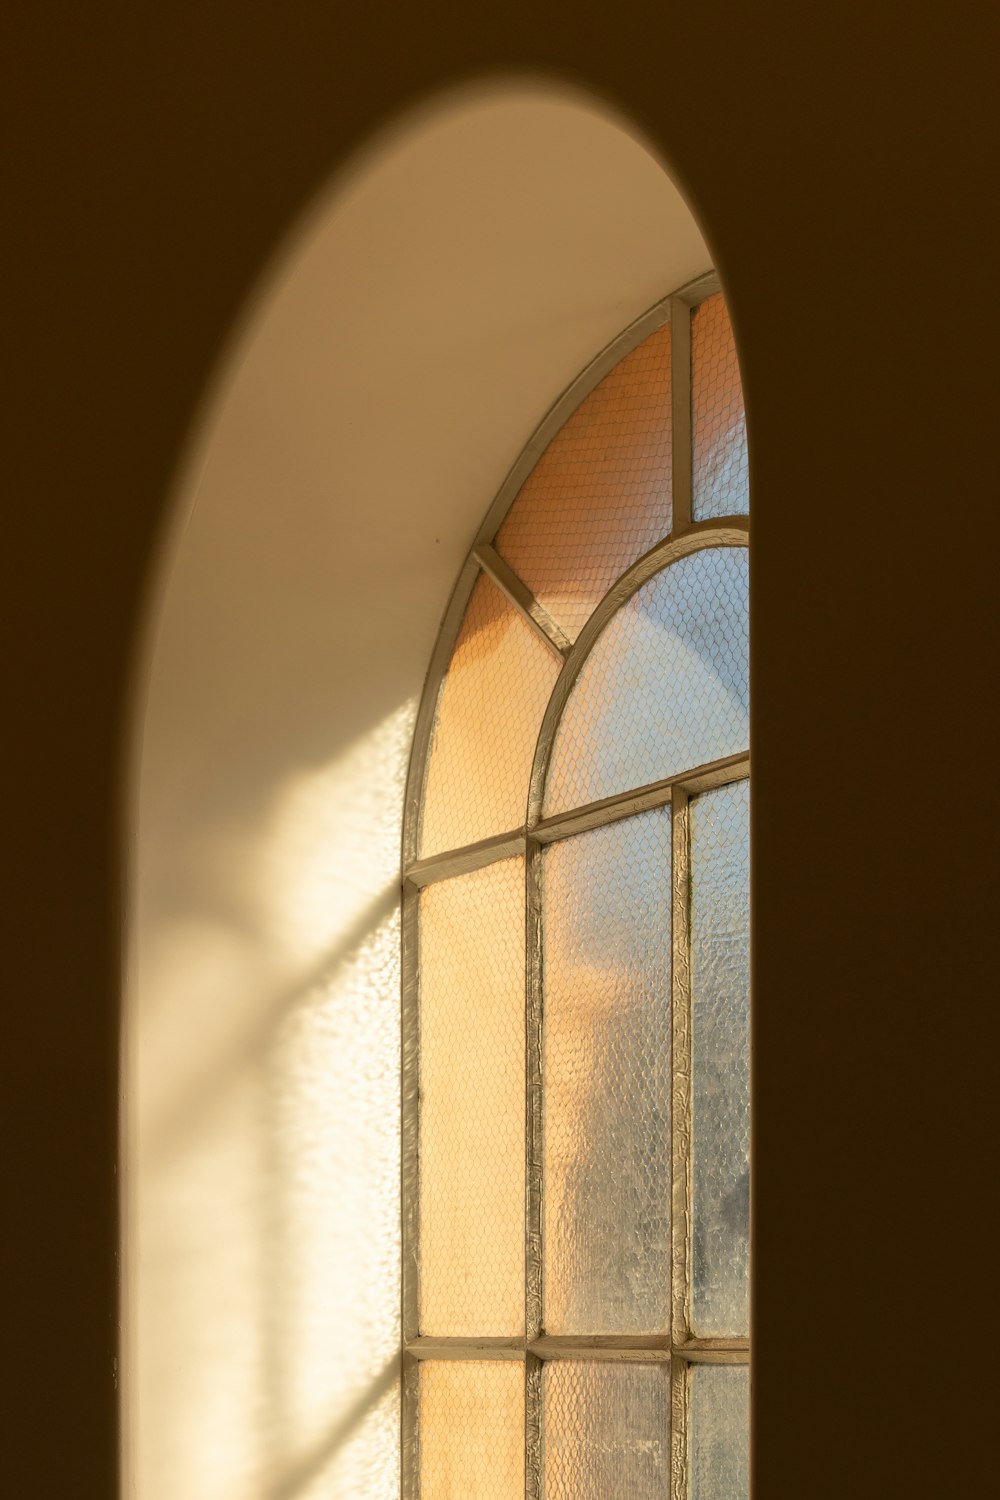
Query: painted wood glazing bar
x=532 y=1427
x=680 y=394
x=547 y=629
x=454 y=862
x=680 y=1135
x=533 y=1263
x=409 y=1123
x=678 y=1429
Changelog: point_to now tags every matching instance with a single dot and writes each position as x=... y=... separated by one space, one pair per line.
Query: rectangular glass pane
x=471 y=1430
x=472 y=1103
x=720 y=484
x=606 y=916
x=605 y=1430
x=720 y=1058
x=719 y=1432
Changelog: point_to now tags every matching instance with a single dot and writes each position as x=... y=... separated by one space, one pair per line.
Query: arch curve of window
x=575 y=954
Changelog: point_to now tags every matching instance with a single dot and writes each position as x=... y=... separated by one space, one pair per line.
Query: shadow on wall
x=417 y=328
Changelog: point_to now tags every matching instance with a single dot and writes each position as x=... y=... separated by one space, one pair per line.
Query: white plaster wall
x=397 y=357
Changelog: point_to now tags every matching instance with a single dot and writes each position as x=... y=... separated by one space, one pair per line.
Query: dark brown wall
x=841 y=158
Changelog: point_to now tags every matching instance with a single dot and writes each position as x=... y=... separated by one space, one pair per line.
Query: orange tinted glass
x=472 y=1103
x=600 y=495
x=489 y=710
x=471 y=1430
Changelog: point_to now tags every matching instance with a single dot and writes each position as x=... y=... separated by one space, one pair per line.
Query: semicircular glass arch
x=664 y=688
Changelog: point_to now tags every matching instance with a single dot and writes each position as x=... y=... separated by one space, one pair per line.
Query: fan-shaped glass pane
x=665 y=687
x=600 y=495
x=490 y=706
x=720 y=483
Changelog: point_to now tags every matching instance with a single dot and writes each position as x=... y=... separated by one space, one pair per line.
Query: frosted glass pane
x=720 y=1048
x=600 y=495
x=491 y=703
x=665 y=687
x=605 y=1431
x=472 y=1103
x=606 y=1078
x=719 y=431
x=719 y=1432
x=471 y=1430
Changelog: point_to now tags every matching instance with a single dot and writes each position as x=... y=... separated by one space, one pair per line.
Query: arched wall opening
x=410 y=337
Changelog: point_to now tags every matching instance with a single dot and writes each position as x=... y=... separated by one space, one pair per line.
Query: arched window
x=575 y=964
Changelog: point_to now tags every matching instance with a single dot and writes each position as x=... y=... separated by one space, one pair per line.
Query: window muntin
x=619 y=1260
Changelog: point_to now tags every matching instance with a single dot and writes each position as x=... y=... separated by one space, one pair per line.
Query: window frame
x=679 y=1347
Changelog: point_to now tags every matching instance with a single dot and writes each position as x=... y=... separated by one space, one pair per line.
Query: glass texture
x=471 y=1430
x=606 y=1078
x=720 y=1060
x=605 y=1430
x=665 y=687
x=720 y=477
x=494 y=693
x=600 y=495
x=472 y=1081
x=718 y=1432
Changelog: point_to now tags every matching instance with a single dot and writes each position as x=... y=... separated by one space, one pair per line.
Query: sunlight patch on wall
x=265 y=1147
x=333 y=1310
x=331 y=845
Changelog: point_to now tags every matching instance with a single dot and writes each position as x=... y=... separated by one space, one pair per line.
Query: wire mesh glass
x=718 y=1432
x=606 y=1078
x=720 y=1060
x=489 y=709
x=471 y=1430
x=720 y=476
x=663 y=691
x=605 y=1430
x=472 y=1079
x=600 y=495
x=665 y=687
